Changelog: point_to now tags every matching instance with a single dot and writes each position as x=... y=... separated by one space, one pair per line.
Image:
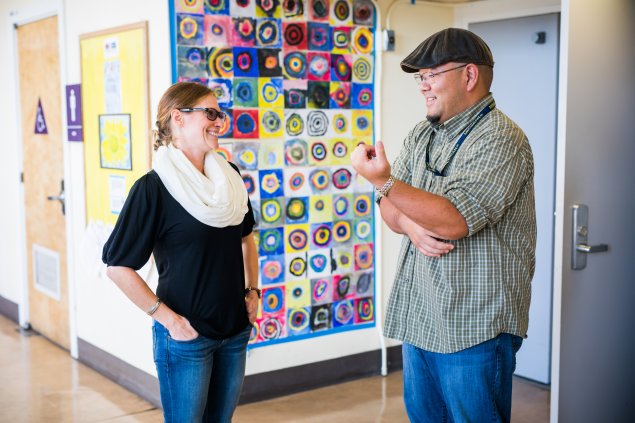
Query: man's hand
x=426 y=241
x=371 y=162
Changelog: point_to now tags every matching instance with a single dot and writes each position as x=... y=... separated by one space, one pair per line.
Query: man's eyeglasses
x=428 y=77
x=212 y=113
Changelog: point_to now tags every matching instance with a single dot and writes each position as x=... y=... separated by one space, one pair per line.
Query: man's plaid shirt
x=481 y=288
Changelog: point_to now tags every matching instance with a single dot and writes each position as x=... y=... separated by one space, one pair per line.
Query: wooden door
x=43 y=172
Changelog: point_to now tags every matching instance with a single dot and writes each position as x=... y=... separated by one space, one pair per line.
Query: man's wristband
x=253 y=288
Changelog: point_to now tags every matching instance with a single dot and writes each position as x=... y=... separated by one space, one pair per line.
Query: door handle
x=61 y=197
x=580 y=238
x=583 y=248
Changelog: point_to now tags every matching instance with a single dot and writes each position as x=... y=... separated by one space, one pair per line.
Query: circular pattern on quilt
x=293 y=34
x=271 y=122
x=340 y=206
x=318 y=151
x=362 y=205
x=318 y=263
x=343 y=313
x=296 y=209
x=271 y=240
x=297 y=267
x=268 y=33
x=342 y=178
x=317 y=123
x=298 y=319
x=322 y=236
x=365 y=309
x=270 y=328
x=295 y=124
x=341 y=10
x=188 y=27
x=342 y=231
x=298 y=239
x=296 y=181
x=362 y=69
x=319 y=179
x=295 y=64
x=363 y=256
x=271 y=211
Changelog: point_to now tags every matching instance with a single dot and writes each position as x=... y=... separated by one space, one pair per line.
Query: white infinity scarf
x=218 y=198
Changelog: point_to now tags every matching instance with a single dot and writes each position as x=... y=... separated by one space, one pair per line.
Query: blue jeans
x=200 y=380
x=472 y=385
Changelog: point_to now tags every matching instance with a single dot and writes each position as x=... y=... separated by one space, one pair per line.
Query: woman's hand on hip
x=251 y=301
x=181 y=330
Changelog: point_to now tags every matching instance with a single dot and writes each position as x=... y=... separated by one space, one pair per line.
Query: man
x=461 y=191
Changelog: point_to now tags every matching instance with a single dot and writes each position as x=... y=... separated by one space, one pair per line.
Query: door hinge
x=22 y=177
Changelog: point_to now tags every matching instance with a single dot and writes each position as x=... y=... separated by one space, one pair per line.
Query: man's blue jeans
x=200 y=380
x=472 y=385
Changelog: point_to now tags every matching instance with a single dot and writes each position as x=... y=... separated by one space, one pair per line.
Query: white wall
x=403 y=105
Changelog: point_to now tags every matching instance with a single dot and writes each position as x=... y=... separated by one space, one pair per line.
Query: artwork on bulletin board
x=296 y=79
x=115 y=146
x=115 y=114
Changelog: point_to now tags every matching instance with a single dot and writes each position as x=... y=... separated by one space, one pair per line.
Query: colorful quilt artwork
x=296 y=78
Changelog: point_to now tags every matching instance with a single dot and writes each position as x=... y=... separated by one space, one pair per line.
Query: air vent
x=46 y=271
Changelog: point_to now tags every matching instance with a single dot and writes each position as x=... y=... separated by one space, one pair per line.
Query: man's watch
x=253 y=288
x=378 y=196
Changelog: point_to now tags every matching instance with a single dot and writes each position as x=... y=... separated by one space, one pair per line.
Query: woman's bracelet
x=154 y=308
x=253 y=288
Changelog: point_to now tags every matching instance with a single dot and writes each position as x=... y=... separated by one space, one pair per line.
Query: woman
x=193 y=213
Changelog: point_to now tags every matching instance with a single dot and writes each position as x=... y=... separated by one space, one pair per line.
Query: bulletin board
x=296 y=78
x=117 y=148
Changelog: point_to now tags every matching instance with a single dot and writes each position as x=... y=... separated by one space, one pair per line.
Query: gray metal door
x=596 y=365
x=525 y=88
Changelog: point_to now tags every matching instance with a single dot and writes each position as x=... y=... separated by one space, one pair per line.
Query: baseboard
x=9 y=309
x=263 y=386
x=258 y=387
x=137 y=381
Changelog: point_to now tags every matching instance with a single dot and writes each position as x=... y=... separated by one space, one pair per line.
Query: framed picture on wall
x=115 y=143
x=115 y=112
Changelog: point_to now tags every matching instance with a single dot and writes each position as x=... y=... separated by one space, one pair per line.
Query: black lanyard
x=490 y=106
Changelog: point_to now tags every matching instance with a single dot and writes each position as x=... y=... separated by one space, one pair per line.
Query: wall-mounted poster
x=114 y=141
x=116 y=116
x=296 y=79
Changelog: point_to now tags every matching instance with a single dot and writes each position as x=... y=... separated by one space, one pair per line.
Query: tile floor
x=39 y=382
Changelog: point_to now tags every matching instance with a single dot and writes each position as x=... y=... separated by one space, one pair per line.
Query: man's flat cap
x=448 y=45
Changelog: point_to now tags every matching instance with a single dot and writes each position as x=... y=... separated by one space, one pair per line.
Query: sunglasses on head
x=212 y=113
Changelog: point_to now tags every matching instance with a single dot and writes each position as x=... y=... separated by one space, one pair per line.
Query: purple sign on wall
x=40 y=122
x=74 y=112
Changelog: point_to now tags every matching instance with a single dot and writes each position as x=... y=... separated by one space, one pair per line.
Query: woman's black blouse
x=201 y=273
